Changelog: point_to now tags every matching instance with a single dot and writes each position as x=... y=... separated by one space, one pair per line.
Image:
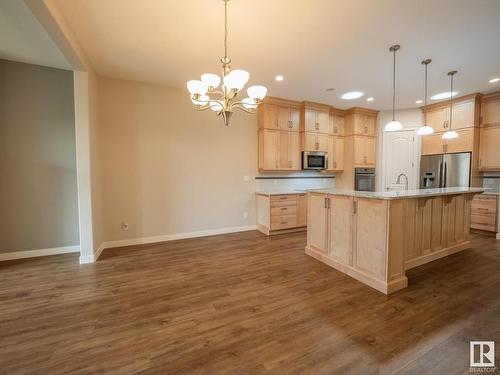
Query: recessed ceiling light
x=352 y=95
x=370 y=99
x=493 y=80
x=443 y=95
x=419 y=101
x=279 y=78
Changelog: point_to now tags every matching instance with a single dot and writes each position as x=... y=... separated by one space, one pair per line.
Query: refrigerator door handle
x=445 y=173
x=440 y=175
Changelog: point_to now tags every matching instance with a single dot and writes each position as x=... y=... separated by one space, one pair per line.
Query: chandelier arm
x=240 y=106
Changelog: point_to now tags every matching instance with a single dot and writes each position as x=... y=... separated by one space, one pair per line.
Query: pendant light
x=425 y=129
x=451 y=134
x=393 y=126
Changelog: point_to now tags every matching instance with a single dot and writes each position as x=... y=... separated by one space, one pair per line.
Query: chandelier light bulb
x=197 y=87
x=249 y=103
x=216 y=107
x=393 y=126
x=450 y=134
x=236 y=79
x=201 y=100
x=211 y=80
x=425 y=130
x=257 y=92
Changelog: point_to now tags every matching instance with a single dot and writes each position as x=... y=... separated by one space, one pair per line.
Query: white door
x=399 y=156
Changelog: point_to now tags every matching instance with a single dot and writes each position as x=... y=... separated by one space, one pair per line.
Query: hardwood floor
x=242 y=303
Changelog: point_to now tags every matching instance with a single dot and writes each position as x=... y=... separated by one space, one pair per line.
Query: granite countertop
x=418 y=193
x=282 y=192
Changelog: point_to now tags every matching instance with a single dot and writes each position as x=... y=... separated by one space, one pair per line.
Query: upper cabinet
x=437 y=119
x=489 y=153
x=361 y=124
x=279 y=114
x=437 y=115
x=315 y=118
x=336 y=124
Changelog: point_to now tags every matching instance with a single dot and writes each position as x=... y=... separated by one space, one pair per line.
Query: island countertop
x=417 y=193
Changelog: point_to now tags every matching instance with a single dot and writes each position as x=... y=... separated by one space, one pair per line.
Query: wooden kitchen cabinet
x=432 y=144
x=489 y=148
x=364 y=151
x=464 y=142
x=437 y=119
x=315 y=142
x=281 y=213
x=317 y=223
x=288 y=118
x=361 y=124
x=316 y=121
x=335 y=153
x=267 y=116
x=336 y=125
x=279 y=150
x=490 y=110
x=484 y=212
x=463 y=115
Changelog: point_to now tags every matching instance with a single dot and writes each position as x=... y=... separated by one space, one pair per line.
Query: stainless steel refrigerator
x=445 y=170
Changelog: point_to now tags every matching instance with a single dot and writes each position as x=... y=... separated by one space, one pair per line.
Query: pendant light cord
x=394 y=86
x=451 y=101
x=225 y=28
x=425 y=87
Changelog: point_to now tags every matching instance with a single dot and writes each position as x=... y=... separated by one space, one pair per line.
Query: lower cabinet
x=350 y=231
x=279 y=213
x=484 y=215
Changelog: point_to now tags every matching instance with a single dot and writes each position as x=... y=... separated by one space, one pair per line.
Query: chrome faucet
x=398 y=181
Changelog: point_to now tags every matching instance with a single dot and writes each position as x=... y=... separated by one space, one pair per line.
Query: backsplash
x=492 y=183
x=297 y=181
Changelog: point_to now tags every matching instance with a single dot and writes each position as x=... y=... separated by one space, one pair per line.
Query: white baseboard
x=170 y=237
x=39 y=252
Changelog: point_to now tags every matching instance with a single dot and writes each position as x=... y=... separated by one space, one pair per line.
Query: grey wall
x=38 y=190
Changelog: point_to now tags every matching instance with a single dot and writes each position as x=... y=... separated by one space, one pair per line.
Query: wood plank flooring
x=241 y=303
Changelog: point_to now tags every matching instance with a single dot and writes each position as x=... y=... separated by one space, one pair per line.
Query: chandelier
x=205 y=95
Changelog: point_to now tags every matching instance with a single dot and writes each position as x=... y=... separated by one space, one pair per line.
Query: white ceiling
x=23 y=39
x=315 y=44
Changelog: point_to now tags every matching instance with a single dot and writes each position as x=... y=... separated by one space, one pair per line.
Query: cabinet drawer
x=481 y=208
x=485 y=198
x=283 y=200
x=283 y=210
x=484 y=222
x=283 y=222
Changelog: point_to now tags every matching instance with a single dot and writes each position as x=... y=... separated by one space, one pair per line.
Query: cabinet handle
x=326 y=202
x=316 y=145
x=480 y=162
x=289 y=164
x=284 y=209
x=290 y=124
x=366 y=129
x=335 y=130
x=284 y=222
x=317 y=126
x=354 y=207
x=365 y=159
x=277 y=124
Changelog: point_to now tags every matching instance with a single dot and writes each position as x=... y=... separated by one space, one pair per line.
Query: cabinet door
x=322 y=122
x=269 y=150
x=322 y=142
x=364 y=124
x=371 y=150
x=310 y=121
x=335 y=153
x=464 y=142
x=432 y=144
x=268 y=116
x=284 y=117
x=295 y=119
x=317 y=222
x=340 y=227
x=489 y=154
x=437 y=119
x=302 y=210
x=370 y=233
x=359 y=150
x=336 y=125
x=310 y=142
x=463 y=115
x=294 y=150
x=284 y=151
x=490 y=112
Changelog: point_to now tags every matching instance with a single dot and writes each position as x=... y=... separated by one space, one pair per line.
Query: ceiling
x=22 y=37
x=314 y=44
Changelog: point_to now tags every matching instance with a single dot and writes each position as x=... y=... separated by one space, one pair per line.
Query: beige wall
x=38 y=189
x=169 y=169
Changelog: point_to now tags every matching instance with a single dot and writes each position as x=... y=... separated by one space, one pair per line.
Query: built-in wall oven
x=317 y=160
x=364 y=179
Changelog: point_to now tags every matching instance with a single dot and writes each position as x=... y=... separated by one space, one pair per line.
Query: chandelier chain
x=225 y=29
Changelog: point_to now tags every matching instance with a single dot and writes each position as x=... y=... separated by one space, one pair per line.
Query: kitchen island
x=375 y=237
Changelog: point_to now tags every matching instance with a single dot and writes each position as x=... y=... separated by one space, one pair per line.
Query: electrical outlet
x=246 y=178
x=125 y=226
x=245 y=215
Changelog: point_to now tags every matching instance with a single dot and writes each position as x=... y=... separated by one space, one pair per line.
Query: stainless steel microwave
x=317 y=160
